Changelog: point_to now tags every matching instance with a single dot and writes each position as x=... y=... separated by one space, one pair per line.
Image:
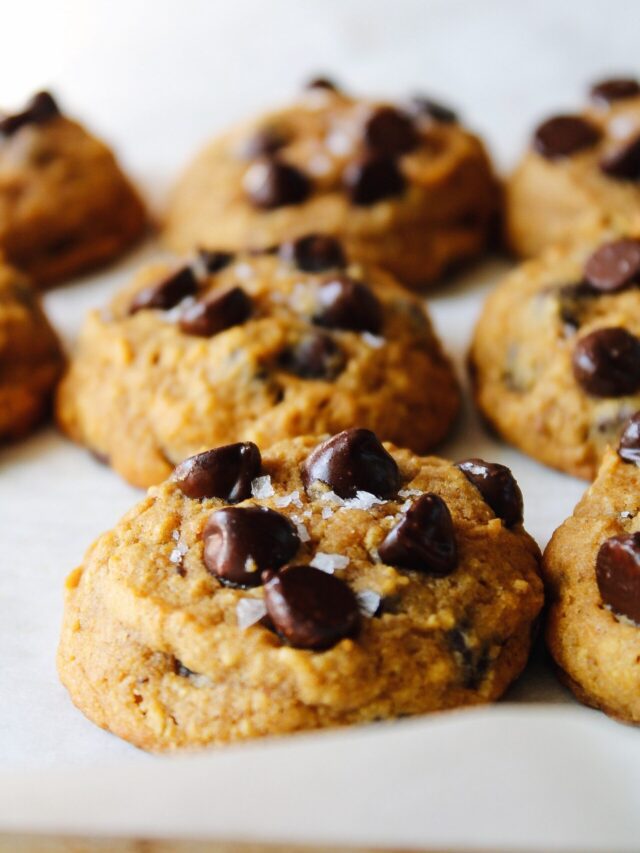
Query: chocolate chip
x=618 y=574
x=614 y=265
x=315 y=356
x=498 y=487
x=424 y=540
x=322 y=83
x=309 y=608
x=214 y=260
x=474 y=664
x=372 y=179
x=624 y=163
x=314 y=253
x=351 y=461
x=614 y=90
x=344 y=303
x=572 y=303
x=167 y=293
x=216 y=313
x=180 y=669
x=606 y=363
x=264 y=142
x=225 y=472
x=390 y=132
x=41 y=108
x=629 y=447
x=271 y=184
x=241 y=542
x=424 y=106
x=562 y=136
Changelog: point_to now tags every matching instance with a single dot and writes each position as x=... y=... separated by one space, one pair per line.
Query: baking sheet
x=535 y=771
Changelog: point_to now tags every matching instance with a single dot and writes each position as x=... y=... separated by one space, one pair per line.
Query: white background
x=156 y=79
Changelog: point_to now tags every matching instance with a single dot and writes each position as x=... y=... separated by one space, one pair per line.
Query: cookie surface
x=260 y=350
x=555 y=359
x=581 y=172
x=373 y=607
x=591 y=568
x=31 y=359
x=410 y=191
x=65 y=205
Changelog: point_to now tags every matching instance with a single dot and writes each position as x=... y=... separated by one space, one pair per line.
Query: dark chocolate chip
x=314 y=253
x=563 y=136
x=424 y=540
x=322 y=83
x=615 y=89
x=344 y=303
x=614 y=265
x=309 y=608
x=216 y=313
x=372 y=179
x=498 y=487
x=629 y=447
x=389 y=132
x=214 y=260
x=276 y=184
x=241 y=542
x=225 y=472
x=167 y=293
x=263 y=143
x=606 y=363
x=41 y=108
x=618 y=574
x=474 y=664
x=180 y=669
x=351 y=461
x=315 y=356
x=624 y=162
x=572 y=303
x=433 y=109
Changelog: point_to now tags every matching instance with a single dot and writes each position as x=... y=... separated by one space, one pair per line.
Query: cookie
x=592 y=568
x=65 y=205
x=31 y=358
x=254 y=348
x=581 y=172
x=320 y=583
x=404 y=188
x=555 y=360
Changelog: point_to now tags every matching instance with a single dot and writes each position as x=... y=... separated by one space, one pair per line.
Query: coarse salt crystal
x=363 y=500
x=331 y=497
x=626 y=514
x=407 y=493
x=303 y=533
x=327 y=512
x=291 y=498
x=368 y=602
x=329 y=563
x=249 y=611
x=261 y=487
x=243 y=271
x=374 y=341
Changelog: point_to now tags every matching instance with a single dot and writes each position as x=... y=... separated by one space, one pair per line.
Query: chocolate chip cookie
x=581 y=172
x=254 y=348
x=592 y=566
x=31 y=358
x=555 y=359
x=65 y=205
x=403 y=187
x=318 y=583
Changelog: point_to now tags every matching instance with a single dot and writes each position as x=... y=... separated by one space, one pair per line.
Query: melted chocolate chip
x=424 y=540
x=167 y=293
x=315 y=356
x=498 y=487
x=629 y=447
x=264 y=143
x=309 y=608
x=606 y=363
x=373 y=179
x=41 y=108
x=618 y=574
x=322 y=83
x=225 y=472
x=314 y=253
x=563 y=136
x=623 y=163
x=241 y=542
x=216 y=313
x=351 y=461
x=275 y=184
x=614 y=265
x=390 y=132
x=615 y=89
x=433 y=109
x=344 y=303
x=214 y=260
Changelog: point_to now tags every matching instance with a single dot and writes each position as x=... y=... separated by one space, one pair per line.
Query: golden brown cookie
x=408 y=190
x=592 y=568
x=580 y=174
x=321 y=584
x=254 y=348
x=555 y=359
x=65 y=205
x=31 y=358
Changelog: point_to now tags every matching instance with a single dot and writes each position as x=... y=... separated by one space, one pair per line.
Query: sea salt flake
x=374 y=341
x=368 y=602
x=327 y=512
x=329 y=563
x=261 y=487
x=331 y=497
x=243 y=271
x=249 y=611
x=303 y=533
x=407 y=493
x=291 y=498
x=626 y=514
x=173 y=314
x=363 y=500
